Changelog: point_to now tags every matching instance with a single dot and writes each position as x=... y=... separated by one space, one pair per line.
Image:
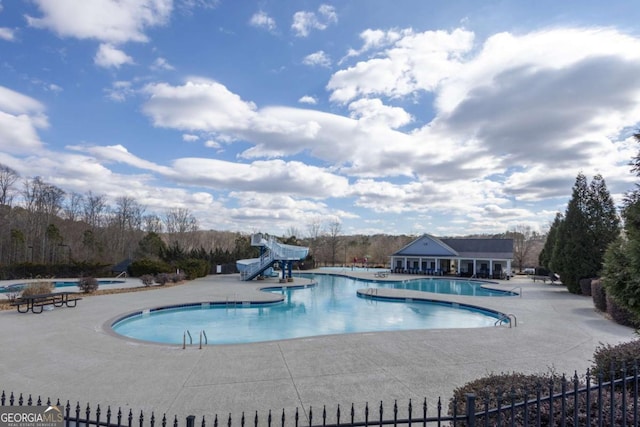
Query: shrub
x=147 y=266
x=494 y=389
x=193 y=268
x=504 y=389
x=585 y=286
x=177 y=277
x=162 y=279
x=37 y=288
x=599 y=295
x=88 y=284
x=607 y=355
x=620 y=314
x=147 y=279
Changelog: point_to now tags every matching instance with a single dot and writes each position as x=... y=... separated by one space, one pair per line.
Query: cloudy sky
x=406 y=116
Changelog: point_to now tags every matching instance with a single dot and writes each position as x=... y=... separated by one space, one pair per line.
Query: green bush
x=599 y=295
x=88 y=284
x=585 y=286
x=193 y=268
x=37 y=288
x=147 y=266
x=607 y=355
x=621 y=314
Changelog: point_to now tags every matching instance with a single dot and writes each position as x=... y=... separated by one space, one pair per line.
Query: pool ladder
x=518 y=288
x=371 y=292
x=509 y=318
x=203 y=335
x=232 y=303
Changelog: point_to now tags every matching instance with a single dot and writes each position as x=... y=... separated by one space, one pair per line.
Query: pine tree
x=604 y=223
x=544 y=259
x=573 y=256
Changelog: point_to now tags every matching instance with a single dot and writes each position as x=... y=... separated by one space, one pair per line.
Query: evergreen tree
x=573 y=255
x=604 y=224
x=544 y=259
x=622 y=258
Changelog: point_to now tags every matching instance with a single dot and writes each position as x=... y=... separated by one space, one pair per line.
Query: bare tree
x=153 y=224
x=43 y=202
x=126 y=226
x=73 y=208
x=181 y=226
x=314 y=231
x=523 y=242
x=333 y=239
x=180 y=220
x=93 y=210
x=8 y=178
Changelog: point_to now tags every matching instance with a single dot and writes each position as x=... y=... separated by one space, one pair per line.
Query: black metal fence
x=592 y=400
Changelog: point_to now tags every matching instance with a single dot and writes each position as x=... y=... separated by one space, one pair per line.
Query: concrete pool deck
x=67 y=353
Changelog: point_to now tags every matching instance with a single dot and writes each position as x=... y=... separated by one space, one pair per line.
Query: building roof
x=428 y=245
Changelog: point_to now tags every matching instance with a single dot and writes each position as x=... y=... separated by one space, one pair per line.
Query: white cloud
x=319 y=58
x=199 y=104
x=7 y=34
x=262 y=20
x=109 y=56
x=20 y=118
x=189 y=137
x=161 y=64
x=264 y=176
x=517 y=132
x=304 y=21
x=375 y=39
x=103 y=20
x=374 y=113
x=415 y=62
x=120 y=90
x=307 y=99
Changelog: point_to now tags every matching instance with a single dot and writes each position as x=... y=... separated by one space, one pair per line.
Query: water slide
x=271 y=251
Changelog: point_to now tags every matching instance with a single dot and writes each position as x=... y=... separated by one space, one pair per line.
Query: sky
x=397 y=117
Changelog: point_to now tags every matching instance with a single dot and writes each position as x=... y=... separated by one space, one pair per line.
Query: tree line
x=41 y=224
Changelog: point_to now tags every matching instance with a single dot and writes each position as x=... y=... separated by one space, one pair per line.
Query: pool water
x=58 y=284
x=331 y=307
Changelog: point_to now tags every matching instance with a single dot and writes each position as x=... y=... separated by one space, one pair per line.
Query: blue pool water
x=330 y=307
x=58 y=284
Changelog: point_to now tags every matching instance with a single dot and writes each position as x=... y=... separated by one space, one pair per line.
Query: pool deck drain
x=66 y=353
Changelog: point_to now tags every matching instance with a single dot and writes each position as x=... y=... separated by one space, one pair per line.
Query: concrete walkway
x=69 y=353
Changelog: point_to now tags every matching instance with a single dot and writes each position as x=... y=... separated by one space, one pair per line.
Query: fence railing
x=579 y=401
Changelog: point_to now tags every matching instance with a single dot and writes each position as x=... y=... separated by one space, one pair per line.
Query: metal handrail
x=508 y=317
x=206 y=342
x=184 y=339
x=519 y=293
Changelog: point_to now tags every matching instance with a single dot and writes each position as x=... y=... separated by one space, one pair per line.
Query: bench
x=36 y=303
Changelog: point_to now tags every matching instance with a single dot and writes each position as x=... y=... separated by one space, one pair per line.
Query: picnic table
x=36 y=303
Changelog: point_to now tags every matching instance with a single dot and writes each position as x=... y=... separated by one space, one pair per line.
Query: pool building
x=482 y=258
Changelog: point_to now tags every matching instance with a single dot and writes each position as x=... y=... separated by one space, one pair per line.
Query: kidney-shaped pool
x=332 y=306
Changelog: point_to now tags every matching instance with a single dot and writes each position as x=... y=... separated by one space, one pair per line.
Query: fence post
x=471 y=410
x=191 y=420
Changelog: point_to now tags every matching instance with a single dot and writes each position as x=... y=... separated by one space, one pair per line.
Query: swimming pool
x=332 y=306
x=17 y=287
